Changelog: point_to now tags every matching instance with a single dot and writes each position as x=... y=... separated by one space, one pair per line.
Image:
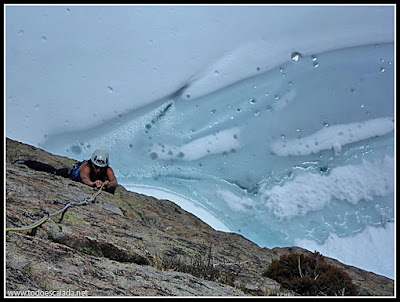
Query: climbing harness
x=63 y=210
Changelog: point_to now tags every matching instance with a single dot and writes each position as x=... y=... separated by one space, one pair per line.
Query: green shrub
x=309 y=275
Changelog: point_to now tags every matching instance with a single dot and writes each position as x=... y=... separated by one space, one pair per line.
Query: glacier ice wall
x=304 y=150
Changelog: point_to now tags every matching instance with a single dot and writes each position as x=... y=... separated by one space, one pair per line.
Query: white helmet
x=100 y=158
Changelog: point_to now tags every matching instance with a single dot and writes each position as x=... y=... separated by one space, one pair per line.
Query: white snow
x=361 y=250
x=220 y=142
x=334 y=137
x=312 y=192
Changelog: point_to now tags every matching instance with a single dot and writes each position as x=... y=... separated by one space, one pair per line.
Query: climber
x=93 y=172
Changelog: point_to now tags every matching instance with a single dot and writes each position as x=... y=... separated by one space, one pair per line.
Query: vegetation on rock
x=309 y=275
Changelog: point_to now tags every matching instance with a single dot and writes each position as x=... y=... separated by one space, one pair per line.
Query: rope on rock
x=63 y=210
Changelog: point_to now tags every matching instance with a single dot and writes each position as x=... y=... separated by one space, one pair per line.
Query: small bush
x=200 y=265
x=309 y=275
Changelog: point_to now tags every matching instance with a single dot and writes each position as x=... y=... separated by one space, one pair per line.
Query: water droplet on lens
x=316 y=64
x=383 y=69
x=180 y=155
x=76 y=149
x=252 y=101
x=147 y=126
x=44 y=38
x=296 y=56
x=153 y=155
x=110 y=89
x=188 y=96
x=314 y=57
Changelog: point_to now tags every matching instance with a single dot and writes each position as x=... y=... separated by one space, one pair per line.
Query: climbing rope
x=63 y=210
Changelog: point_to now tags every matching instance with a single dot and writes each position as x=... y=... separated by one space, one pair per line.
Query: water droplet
x=383 y=69
x=238 y=110
x=277 y=97
x=325 y=124
x=213 y=111
x=316 y=64
x=147 y=126
x=281 y=69
x=153 y=155
x=258 y=68
x=252 y=101
x=352 y=90
x=216 y=72
x=296 y=56
x=110 y=89
x=269 y=108
x=282 y=135
x=181 y=155
x=21 y=32
x=44 y=38
x=314 y=58
x=188 y=96
x=257 y=113
x=76 y=149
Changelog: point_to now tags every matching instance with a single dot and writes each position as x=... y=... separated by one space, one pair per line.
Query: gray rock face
x=129 y=244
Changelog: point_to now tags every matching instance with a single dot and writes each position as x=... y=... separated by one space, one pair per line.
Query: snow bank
x=363 y=250
x=312 y=192
x=334 y=137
